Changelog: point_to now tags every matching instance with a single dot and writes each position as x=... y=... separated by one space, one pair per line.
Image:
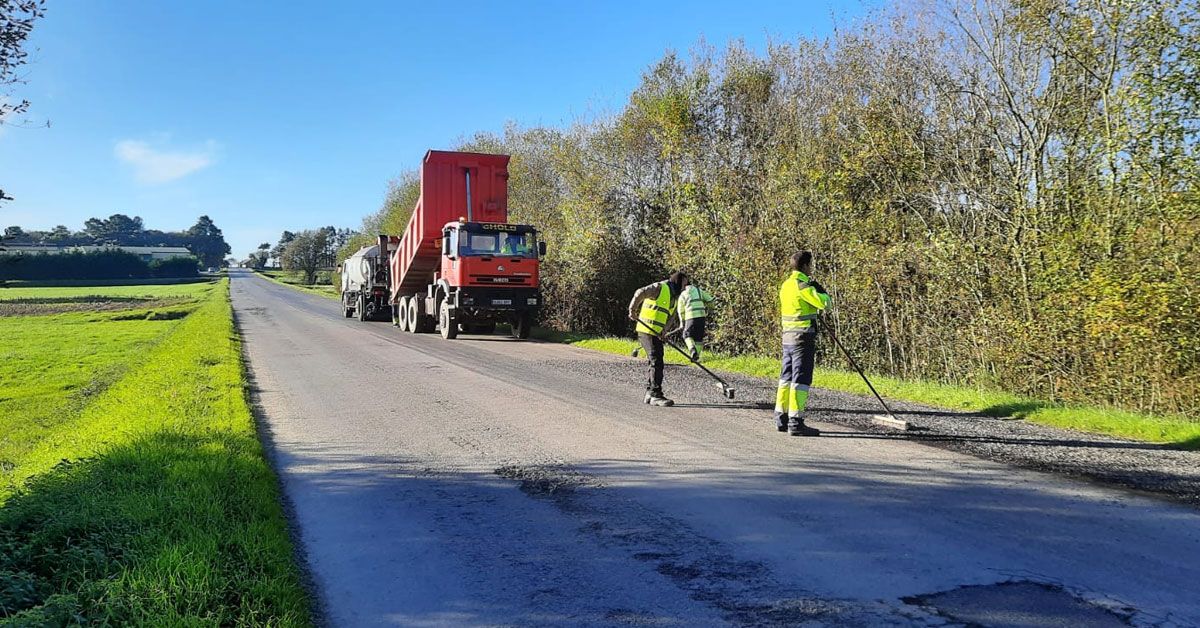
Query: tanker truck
x=365 y=283
x=460 y=265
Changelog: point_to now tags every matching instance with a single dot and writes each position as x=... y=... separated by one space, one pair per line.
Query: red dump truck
x=460 y=265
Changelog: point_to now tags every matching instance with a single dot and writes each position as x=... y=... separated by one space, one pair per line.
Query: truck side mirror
x=541 y=249
x=446 y=245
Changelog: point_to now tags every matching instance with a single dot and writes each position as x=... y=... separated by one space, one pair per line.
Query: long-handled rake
x=726 y=390
x=890 y=420
x=638 y=349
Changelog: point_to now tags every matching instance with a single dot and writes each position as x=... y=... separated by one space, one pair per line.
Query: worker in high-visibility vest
x=693 y=311
x=653 y=307
x=801 y=301
x=514 y=244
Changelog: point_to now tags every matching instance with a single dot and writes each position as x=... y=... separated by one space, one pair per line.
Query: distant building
x=146 y=253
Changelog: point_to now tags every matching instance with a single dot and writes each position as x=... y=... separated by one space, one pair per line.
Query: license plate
x=501 y=301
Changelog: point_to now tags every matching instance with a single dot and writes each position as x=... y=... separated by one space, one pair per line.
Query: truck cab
x=490 y=273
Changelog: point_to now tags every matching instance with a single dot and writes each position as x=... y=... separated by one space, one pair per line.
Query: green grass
x=142 y=496
x=53 y=366
x=1179 y=431
x=295 y=279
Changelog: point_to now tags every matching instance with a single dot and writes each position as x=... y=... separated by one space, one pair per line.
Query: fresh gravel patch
x=1162 y=470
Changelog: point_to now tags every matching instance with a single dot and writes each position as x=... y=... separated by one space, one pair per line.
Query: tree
x=391 y=218
x=58 y=233
x=117 y=229
x=16 y=22
x=258 y=259
x=13 y=232
x=206 y=242
x=307 y=252
x=277 y=250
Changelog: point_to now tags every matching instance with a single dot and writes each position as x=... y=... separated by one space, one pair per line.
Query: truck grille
x=501 y=279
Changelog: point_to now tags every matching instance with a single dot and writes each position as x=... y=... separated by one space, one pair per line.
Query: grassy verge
x=143 y=498
x=295 y=279
x=1179 y=431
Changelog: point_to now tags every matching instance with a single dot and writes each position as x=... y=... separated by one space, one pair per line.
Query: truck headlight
x=531 y=301
x=468 y=301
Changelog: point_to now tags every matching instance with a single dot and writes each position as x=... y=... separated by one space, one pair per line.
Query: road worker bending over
x=653 y=307
x=801 y=301
x=693 y=311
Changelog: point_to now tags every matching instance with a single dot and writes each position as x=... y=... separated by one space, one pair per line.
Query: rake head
x=884 y=420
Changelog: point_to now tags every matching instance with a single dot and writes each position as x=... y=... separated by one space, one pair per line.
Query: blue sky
x=272 y=116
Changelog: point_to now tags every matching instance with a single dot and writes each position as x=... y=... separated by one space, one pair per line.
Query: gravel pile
x=1159 y=469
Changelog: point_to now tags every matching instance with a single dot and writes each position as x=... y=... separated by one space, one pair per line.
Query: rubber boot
x=656 y=398
x=796 y=427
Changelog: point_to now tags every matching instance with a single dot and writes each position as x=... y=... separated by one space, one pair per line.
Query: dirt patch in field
x=43 y=307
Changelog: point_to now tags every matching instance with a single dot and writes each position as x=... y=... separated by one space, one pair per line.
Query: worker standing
x=800 y=302
x=653 y=307
x=693 y=312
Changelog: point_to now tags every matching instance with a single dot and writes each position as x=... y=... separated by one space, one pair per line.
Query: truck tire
x=522 y=326
x=347 y=311
x=401 y=314
x=448 y=325
x=414 y=316
x=362 y=308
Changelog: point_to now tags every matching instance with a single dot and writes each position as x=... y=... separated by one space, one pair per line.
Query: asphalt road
x=486 y=481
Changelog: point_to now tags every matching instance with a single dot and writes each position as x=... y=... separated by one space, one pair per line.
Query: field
x=1179 y=431
x=133 y=488
x=146 y=291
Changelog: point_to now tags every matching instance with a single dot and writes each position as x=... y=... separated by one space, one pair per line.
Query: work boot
x=781 y=423
x=796 y=427
x=656 y=398
x=695 y=355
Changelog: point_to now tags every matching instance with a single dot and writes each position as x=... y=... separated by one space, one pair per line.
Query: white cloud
x=154 y=165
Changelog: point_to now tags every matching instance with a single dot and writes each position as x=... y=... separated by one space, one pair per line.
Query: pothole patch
x=1017 y=605
x=545 y=481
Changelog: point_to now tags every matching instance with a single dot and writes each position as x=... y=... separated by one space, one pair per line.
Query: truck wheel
x=402 y=314
x=449 y=325
x=362 y=309
x=414 y=316
x=347 y=311
x=521 y=326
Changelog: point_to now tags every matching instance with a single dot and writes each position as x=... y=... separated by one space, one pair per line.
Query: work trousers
x=794 y=379
x=653 y=346
x=693 y=334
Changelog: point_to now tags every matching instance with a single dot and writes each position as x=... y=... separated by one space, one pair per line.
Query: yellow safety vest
x=797 y=310
x=693 y=303
x=654 y=314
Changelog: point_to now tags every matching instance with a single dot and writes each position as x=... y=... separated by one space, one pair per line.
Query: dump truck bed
x=448 y=180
